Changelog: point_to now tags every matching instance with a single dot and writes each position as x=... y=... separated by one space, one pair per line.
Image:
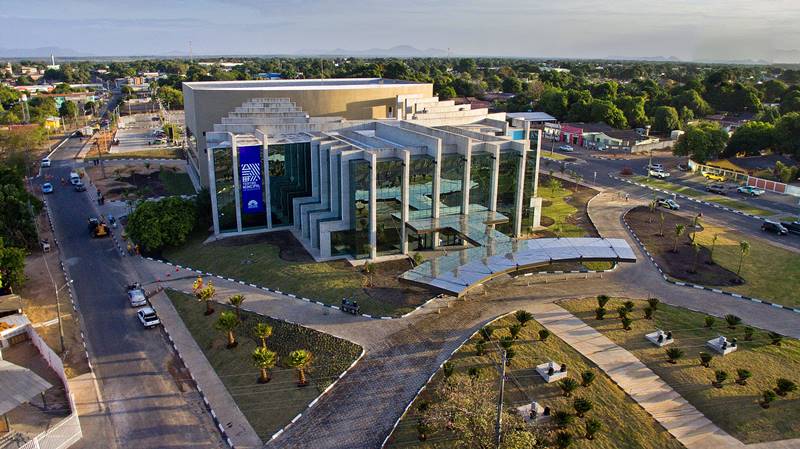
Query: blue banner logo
x=250 y=179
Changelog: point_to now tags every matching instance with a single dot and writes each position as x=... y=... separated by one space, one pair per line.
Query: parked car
x=350 y=306
x=669 y=203
x=719 y=189
x=750 y=190
x=661 y=174
x=652 y=166
x=136 y=295
x=566 y=148
x=147 y=316
x=80 y=187
x=45 y=162
x=713 y=176
x=47 y=188
x=792 y=226
x=772 y=226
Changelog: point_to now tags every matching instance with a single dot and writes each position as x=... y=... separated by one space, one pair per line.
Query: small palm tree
x=599 y=313
x=626 y=323
x=705 y=359
x=709 y=321
x=592 y=426
x=679 y=228
x=696 y=249
x=543 y=334
x=673 y=354
x=653 y=303
x=628 y=306
x=206 y=294
x=486 y=333
x=587 y=377
x=514 y=330
x=742 y=375
x=784 y=386
x=767 y=396
x=563 y=440
x=523 y=316
x=748 y=333
x=236 y=301
x=264 y=360
x=568 y=385
x=732 y=321
x=695 y=225
x=369 y=269
x=262 y=331
x=720 y=376
x=582 y=406
x=227 y=322
x=506 y=342
x=661 y=224
x=648 y=313
x=713 y=245
x=299 y=360
x=652 y=206
x=510 y=353
x=744 y=249
x=602 y=300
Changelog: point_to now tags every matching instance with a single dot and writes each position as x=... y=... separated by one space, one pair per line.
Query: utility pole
x=499 y=422
x=58 y=311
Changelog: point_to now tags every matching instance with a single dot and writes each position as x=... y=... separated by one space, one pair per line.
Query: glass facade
x=451 y=187
x=289 y=178
x=510 y=162
x=527 y=190
x=355 y=241
x=420 y=187
x=224 y=188
x=388 y=206
x=480 y=173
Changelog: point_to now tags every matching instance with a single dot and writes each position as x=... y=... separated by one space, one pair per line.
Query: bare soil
x=683 y=264
x=289 y=248
x=135 y=179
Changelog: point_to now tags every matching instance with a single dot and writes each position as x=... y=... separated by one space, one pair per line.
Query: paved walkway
x=672 y=411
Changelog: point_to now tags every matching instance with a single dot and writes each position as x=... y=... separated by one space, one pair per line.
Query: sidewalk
x=674 y=413
x=236 y=425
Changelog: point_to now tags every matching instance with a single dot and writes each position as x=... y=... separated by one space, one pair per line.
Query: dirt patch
x=684 y=265
x=547 y=203
x=289 y=249
x=546 y=221
x=386 y=287
x=132 y=180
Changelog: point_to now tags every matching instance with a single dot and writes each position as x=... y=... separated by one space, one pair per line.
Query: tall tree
x=665 y=119
x=787 y=134
x=751 y=138
x=608 y=113
x=702 y=142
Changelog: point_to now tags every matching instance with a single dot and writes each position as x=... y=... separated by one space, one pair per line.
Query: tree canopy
x=159 y=224
x=787 y=134
x=702 y=142
x=666 y=120
x=750 y=139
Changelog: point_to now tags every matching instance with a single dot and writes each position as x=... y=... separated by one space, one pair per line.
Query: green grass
x=625 y=424
x=561 y=212
x=710 y=197
x=177 y=183
x=734 y=407
x=770 y=272
x=160 y=153
x=271 y=406
x=556 y=156
x=261 y=264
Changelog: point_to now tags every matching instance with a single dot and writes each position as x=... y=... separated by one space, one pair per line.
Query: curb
x=688 y=198
x=700 y=287
x=613 y=268
x=290 y=295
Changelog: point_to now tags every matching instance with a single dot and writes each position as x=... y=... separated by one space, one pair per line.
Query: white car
x=655 y=167
x=136 y=296
x=147 y=316
x=566 y=148
x=668 y=203
x=45 y=162
x=661 y=174
x=47 y=188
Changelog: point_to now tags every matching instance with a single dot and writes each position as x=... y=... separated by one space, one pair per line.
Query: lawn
x=625 y=425
x=734 y=408
x=160 y=153
x=271 y=406
x=177 y=183
x=278 y=261
x=557 y=156
x=703 y=196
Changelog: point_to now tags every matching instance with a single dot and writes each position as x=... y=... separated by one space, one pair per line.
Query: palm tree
x=744 y=249
x=264 y=359
x=523 y=316
x=602 y=300
x=592 y=427
x=713 y=245
x=543 y=334
x=652 y=207
x=262 y=331
x=568 y=385
x=679 y=228
x=732 y=321
x=673 y=354
x=720 y=376
x=514 y=330
x=695 y=225
x=236 y=301
x=227 y=322
x=205 y=294
x=582 y=406
x=661 y=224
x=554 y=184
x=696 y=248
x=299 y=360
x=369 y=268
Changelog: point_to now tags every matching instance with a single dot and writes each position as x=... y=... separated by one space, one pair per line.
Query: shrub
x=599 y=313
x=602 y=300
x=514 y=330
x=474 y=372
x=568 y=385
x=628 y=306
x=709 y=321
x=587 y=377
x=506 y=342
x=562 y=418
x=626 y=171
x=767 y=396
x=480 y=347
x=732 y=321
x=543 y=334
x=742 y=375
x=486 y=333
x=785 y=386
x=523 y=316
x=626 y=323
x=720 y=376
x=776 y=338
x=673 y=354
x=705 y=359
x=582 y=406
x=422 y=430
x=563 y=440
x=653 y=303
x=648 y=312
x=622 y=312
x=748 y=333
x=592 y=427
x=447 y=369
x=159 y=224
x=510 y=353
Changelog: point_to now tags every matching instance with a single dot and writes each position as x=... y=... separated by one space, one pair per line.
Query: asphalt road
x=587 y=167
x=144 y=407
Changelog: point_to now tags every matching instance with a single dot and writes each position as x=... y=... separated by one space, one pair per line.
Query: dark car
x=350 y=306
x=793 y=226
x=719 y=189
x=771 y=226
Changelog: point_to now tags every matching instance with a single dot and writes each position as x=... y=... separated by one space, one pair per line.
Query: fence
x=729 y=174
x=765 y=184
x=68 y=430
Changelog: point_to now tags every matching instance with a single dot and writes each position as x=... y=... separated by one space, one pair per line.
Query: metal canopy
x=18 y=385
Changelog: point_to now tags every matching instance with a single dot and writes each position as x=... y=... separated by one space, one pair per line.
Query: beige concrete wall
x=205 y=107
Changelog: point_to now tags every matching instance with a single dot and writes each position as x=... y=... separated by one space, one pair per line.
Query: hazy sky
x=696 y=29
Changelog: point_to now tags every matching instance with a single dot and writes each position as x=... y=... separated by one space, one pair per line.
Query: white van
x=74 y=178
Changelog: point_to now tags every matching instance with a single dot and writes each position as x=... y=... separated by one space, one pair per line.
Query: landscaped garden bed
x=623 y=423
x=735 y=408
x=277 y=260
x=756 y=269
x=141 y=180
x=268 y=406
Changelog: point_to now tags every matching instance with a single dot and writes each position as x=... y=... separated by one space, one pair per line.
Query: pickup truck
x=792 y=226
x=750 y=190
x=660 y=174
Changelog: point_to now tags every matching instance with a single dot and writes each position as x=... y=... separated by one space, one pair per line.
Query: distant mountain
x=645 y=58
x=400 y=51
x=40 y=52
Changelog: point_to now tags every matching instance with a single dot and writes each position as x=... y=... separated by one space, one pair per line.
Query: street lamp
x=58 y=311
